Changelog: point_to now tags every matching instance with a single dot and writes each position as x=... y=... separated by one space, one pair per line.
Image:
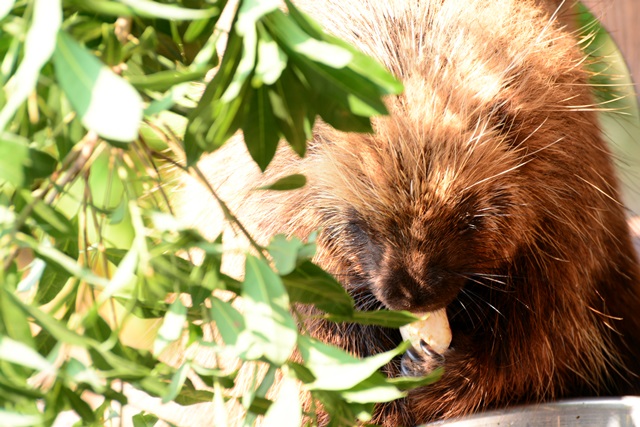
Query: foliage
x=99 y=95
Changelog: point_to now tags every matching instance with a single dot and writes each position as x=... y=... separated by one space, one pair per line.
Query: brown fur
x=487 y=190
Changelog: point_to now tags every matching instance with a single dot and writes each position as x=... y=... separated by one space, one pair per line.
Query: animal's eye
x=356 y=231
x=469 y=223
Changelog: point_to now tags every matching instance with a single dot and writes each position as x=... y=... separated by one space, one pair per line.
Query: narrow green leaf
x=36 y=268
x=407 y=383
x=152 y=9
x=286 y=410
x=39 y=45
x=373 y=389
x=290 y=182
x=271 y=60
x=80 y=407
x=52 y=325
x=386 y=318
x=361 y=63
x=177 y=381
x=53 y=277
x=219 y=408
x=292 y=109
x=172 y=326
x=209 y=376
x=105 y=102
x=260 y=129
x=251 y=11
x=23 y=355
x=5 y=8
x=245 y=66
x=124 y=280
x=53 y=255
x=14 y=322
x=267 y=311
x=82 y=374
x=164 y=80
x=212 y=121
x=16 y=419
x=251 y=396
x=335 y=369
x=194 y=29
x=291 y=35
x=47 y=216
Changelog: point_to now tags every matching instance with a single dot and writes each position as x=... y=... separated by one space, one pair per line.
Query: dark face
x=421 y=261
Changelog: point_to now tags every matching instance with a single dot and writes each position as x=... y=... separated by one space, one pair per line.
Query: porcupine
x=487 y=191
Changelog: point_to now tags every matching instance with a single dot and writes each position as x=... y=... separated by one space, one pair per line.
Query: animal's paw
x=417 y=363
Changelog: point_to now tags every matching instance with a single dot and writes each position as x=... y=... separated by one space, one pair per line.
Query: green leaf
x=82 y=374
x=14 y=154
x=386 y=318
x=47 y=216
x=250 y=396
x=271 y=60
x=193 y=397
x=172 y=326
x=152 y=9
x=290 y=182
x=52 y=281
x=179 y=377
x=334 y=369
x=164 y=80
x=286 y=411
x=39 y=45
x=251 y=11
x=196 y=28
x=23 y=355
x=229 y=321
x=36 y=268
x=124 y=279
x=292 y=110
x=16 y=419
x=54 y=256
x=5 y=8
x=219 y=408
x=266 y=314
x=288 y=33
x=80 y=407
x=260 y=129
x=40 y=165
x=144 y=420
x=52 y=325
x=105 y=102
x=213 y=121
x=361 y=63
x=284 y=253
x=209 y=376
x=309 y=284
x=373 y=389
x=407 y=383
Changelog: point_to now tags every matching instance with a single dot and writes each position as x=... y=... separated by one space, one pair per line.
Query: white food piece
x=434 y=329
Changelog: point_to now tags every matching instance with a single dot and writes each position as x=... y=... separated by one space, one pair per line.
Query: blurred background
x=622 y=19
